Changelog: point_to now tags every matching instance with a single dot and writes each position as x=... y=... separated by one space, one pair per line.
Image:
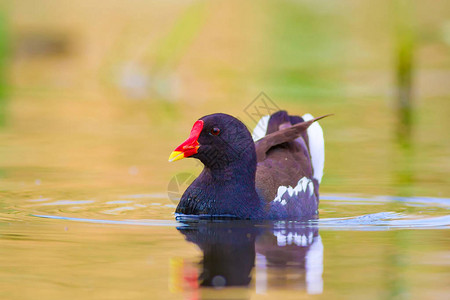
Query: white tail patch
x=316 y=147
x=261 y=128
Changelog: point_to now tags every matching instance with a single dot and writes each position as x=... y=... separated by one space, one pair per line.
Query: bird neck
x=233 y=172
x=231 y=190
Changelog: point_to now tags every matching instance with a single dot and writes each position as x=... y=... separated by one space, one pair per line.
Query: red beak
x=190 y=146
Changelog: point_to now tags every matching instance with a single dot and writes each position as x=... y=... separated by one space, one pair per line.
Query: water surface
x=93 y=99
x=361 y=247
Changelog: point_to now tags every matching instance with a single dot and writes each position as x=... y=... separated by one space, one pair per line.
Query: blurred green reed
x=404 y=70
x=171 y=49
x=302 y=54
x=173 y=46
x=3 y=66
x=404 y=38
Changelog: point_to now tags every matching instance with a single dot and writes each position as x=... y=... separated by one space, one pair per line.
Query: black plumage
x=271 y=178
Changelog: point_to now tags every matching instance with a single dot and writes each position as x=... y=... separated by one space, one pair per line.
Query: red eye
x=215 y=131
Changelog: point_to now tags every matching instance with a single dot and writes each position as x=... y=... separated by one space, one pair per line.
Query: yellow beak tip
x=176 y=155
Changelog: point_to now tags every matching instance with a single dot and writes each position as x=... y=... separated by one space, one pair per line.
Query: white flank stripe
x=303 y=185
x=311 y=188
x=281 y=190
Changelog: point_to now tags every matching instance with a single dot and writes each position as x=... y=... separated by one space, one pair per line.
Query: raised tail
x=280 y=127
x=316 y=146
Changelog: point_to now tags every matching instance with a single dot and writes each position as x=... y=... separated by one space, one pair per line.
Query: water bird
x=273 y=173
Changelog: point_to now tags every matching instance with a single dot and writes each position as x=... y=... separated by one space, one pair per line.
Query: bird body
x=273 y=177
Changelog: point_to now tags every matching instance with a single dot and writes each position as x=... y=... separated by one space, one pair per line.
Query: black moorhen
x=275 y=177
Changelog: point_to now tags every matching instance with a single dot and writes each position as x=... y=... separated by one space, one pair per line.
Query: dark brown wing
x=284 y=158
x=288 y=134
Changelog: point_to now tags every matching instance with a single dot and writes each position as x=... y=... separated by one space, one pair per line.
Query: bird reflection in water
x=276 y=255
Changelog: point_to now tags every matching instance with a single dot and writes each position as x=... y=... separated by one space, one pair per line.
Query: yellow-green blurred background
x=96 y=94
